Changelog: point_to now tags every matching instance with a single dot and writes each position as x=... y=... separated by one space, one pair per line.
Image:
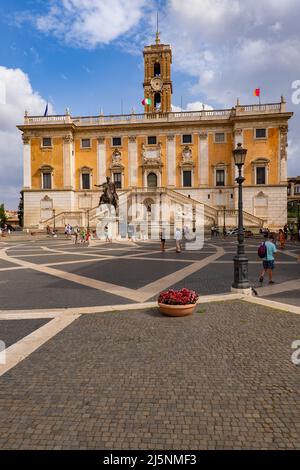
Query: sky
x=87 y=55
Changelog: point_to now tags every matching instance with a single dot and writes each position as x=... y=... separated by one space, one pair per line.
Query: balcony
x=127 y=119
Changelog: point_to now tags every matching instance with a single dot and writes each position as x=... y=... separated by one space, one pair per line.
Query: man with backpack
x=266 y=251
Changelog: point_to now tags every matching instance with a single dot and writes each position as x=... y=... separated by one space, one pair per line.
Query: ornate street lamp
x=224 y=222
x=241 y=281
x=88 y=219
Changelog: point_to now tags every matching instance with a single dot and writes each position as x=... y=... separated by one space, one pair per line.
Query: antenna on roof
x=157 y=40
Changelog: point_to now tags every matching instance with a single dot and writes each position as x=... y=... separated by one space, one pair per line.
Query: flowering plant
x=178 y=297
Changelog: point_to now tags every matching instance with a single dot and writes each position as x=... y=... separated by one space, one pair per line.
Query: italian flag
x=146 y=101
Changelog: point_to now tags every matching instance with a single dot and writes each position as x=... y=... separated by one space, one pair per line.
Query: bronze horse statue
x=109 y=195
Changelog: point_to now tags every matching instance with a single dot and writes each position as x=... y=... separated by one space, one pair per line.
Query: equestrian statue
x=109 y=195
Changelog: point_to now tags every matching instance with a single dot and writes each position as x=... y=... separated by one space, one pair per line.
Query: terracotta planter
x=176 y=310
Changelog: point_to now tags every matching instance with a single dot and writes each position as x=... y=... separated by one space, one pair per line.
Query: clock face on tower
x=156 y=83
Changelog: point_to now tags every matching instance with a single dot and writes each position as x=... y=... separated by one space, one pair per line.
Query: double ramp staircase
x=212 y=215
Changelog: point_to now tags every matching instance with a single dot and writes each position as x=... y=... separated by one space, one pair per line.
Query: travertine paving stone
x=220 y=379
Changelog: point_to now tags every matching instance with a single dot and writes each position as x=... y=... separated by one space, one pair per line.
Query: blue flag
x=46 y=111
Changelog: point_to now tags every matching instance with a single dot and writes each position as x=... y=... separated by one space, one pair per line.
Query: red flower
x=180 y=297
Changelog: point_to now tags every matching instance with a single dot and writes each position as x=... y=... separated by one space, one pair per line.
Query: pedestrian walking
x=88 y=237
x=162 y=239
x=266 y=251
x=212 y=231
x=82 y=235
x=281 y=238
x=178 y=240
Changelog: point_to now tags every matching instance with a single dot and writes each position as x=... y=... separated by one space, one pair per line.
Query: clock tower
x=157 y=79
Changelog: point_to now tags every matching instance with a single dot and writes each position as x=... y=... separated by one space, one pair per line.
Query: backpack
x=262 y=250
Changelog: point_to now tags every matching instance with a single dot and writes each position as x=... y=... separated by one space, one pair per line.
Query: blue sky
x=83 y=79
x=87 y=55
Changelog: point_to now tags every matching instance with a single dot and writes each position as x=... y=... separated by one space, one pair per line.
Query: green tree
x=21 y=209
x=3 y=216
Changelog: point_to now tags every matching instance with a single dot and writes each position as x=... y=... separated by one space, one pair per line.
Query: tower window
x=157 y=100
x=157 y=69
x=152 y=140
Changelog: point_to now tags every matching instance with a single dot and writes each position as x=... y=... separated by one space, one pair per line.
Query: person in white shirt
x=178 y=239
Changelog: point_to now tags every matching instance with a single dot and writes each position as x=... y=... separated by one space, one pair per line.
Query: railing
x=247 y=216
x=157 y=117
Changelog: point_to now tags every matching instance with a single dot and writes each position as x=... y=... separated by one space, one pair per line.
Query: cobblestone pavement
x=220 y=379
x=60 y=274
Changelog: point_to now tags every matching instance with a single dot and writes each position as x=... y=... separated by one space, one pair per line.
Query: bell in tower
x=157 y=77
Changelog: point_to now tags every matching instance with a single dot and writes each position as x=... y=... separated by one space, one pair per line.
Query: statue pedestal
x=106 y=216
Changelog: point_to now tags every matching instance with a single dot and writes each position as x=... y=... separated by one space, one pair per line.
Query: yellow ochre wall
x=268 y=148
x=52 y=157
x=219 y=153
x=85 y=157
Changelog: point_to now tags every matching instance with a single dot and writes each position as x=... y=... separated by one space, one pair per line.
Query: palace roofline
x=239 y=111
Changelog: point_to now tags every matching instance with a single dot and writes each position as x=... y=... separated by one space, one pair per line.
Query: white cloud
x=88 y=23
x=19 y=96
x=231 y=47
x=194 y=106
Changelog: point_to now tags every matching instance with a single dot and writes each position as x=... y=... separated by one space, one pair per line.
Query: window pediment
x=46 y=169
x=261 y=161
x=86 y=169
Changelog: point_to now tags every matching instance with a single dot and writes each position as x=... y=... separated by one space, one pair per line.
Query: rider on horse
x=109 y=195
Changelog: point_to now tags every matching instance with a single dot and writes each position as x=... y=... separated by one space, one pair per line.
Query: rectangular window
x=260 y=133
x=47 y=142
x=118 y=180
x=86 y=143
x=219 y=137
x=261 y=175
x=187 y=178
x=297 y=190
x=152 y=140
x=116 y=141
x=46 y=180
x=85 y=179
x=220 y=178
x=187 y=139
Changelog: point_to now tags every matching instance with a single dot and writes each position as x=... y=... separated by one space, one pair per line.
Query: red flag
x=257 y=92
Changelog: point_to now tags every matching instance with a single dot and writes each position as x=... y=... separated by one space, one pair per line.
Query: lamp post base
x=241 y=281
x=247 y=291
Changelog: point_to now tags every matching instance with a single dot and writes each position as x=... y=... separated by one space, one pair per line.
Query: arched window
x=157 y=69
x=152 y=180
x=157 y=100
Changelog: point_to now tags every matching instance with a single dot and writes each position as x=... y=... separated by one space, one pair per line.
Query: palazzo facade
x=182 y=157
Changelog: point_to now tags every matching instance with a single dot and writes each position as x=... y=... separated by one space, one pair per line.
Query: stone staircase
x=212 y=215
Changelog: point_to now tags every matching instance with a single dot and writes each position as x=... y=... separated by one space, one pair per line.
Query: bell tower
x=157 y=77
